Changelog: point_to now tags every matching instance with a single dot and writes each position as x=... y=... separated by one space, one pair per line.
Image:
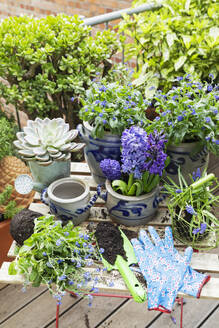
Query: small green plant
x=189 y=112
x=112 y=107
x=7 y=136
x=55 y=255
x=191 y=207
x=181 y=37
x=48 y=62
x=9 y=206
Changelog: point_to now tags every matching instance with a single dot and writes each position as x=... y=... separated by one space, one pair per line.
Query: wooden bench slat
x=210 y=290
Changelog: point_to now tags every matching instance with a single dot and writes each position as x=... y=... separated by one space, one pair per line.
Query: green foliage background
x=181 y=37
x=47 y=61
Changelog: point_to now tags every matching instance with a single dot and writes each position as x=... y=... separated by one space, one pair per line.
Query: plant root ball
x=22 y=225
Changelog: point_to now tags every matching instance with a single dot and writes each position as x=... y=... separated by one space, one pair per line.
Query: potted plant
x=188 y=115
x=47 y=62
x=56 y=255
x=191 y=209
x=108 y=109
x=8 y=208
x=47 y=145
x=133 y=187
x=181 y=37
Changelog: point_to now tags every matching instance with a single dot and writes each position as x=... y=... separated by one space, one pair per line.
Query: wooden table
x=204 y=262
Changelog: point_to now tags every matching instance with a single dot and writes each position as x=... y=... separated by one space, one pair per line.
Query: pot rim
x=90 y=128
x=69 y=200
x=128 y=198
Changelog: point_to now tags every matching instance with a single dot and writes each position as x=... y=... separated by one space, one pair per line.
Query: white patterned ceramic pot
x=68 y=199
x=189 y=156
x=98 y=149
x=131 y=210
x=43 y=176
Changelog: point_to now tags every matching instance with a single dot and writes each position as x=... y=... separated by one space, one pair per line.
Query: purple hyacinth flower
x=111 y=169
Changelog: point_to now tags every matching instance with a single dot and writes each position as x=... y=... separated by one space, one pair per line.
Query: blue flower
x=207 y=138
x=62 y=277
x=216 y=97
x=203 y=227
x=190 y=210
x=44 y=253
x=101 y=114
x=102 y=88
x=216 y=142
x=179 y=78
x=72 y=99
x=178 y=191
x=209 y=88
x=66 y=233
x=71 y=282
x=180 y=118
x=104 y=121
x=208 y=119
x=59 y=242
x=101 y=250
x=215 y=111
x=49 y=265
x=103 y=103
x=59 y=261
x=196 y=175
x=111 y=169
x=211 y=76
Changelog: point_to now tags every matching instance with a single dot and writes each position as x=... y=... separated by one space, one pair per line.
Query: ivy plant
x=47 y=62
x=181 y=37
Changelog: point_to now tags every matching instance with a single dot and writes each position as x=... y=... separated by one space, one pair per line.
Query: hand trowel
x=122 y=265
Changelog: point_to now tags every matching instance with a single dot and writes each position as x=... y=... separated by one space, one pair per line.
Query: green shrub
x=181 y=37
x=7 y=136
x=49 y=61
x=10 y=206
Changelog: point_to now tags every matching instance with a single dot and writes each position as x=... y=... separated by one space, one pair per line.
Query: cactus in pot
x=46 y=141
x=47 y=145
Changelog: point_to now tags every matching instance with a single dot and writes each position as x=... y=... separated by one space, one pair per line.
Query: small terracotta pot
x=5 y=241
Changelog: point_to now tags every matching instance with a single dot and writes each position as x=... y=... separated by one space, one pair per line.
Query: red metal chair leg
x=181 y=315
x=57 y=315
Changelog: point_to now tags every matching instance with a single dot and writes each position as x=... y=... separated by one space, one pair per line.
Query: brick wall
x=39 y=8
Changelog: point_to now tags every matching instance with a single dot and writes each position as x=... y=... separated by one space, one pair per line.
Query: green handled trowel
x=132 y=283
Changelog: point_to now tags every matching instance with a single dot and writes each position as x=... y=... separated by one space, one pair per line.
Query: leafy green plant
x=56 y=255
x=112 y=107
x=189 y=112
x=7 y=136
x=10 y=207
x=181 y=37
x=47 y=62
x=191 y=206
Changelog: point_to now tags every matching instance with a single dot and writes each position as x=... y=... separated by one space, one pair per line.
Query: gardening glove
x=193 y=281
x=164 y=276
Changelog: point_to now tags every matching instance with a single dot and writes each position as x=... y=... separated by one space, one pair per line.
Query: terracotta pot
x=5 y=241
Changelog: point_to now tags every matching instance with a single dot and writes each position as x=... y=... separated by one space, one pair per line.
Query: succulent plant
x=46 y=141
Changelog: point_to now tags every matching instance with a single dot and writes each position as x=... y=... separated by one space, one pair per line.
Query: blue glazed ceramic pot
x=189 y=156
x=131 y=210
x=68 y=199
x=98 y=149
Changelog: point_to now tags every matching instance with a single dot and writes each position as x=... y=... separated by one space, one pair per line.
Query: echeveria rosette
x=46 y=141
x=189 y=112
x=190 y=207
x=143 y=162
x=112 y=107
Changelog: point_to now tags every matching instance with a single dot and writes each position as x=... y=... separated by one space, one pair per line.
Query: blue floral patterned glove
x=193 y=281
x=164 y=275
